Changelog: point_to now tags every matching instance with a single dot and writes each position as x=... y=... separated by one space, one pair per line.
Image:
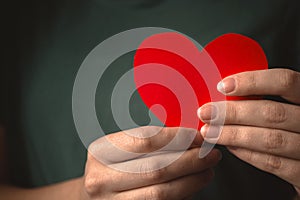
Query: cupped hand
x=121 y=165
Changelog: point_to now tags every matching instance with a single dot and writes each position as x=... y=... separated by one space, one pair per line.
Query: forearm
x=66 y=190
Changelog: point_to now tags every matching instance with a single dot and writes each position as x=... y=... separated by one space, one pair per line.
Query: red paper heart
x=165 y=62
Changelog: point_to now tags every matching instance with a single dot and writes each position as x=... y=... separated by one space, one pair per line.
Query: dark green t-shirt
x=53 y=38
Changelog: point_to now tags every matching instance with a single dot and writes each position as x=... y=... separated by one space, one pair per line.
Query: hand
x=179 y=180
x=261 y=132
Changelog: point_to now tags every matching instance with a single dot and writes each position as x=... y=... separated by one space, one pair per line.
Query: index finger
x=134 y=143
x=280 y=82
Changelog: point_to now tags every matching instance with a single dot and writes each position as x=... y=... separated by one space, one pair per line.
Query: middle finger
x=260 y=113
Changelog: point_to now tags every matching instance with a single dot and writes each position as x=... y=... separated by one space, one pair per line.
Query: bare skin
x=102 y=181
x=264 y=133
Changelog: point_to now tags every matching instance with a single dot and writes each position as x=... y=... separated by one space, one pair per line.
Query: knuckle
x=288 y=79
x=241 y=136
x=93 y=146
x=250 y=156
x=144 y=144
x=92 y=184
x=100 y=145
x=273 y=139
x=234 y=136
x=231 y=113
x=274 y=113
x=246 y=78
x=141 y=145
x=251 y=82
x=273 y=163
x=147 y=131
x=156 y=175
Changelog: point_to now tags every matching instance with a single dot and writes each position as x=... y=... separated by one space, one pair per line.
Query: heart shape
x=173 y=71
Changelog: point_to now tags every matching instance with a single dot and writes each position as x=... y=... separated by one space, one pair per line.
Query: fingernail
x=210 y=132
x=207 y=112
x=226 y=86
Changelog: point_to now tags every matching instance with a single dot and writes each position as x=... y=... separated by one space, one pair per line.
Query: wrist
x=82 y=194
